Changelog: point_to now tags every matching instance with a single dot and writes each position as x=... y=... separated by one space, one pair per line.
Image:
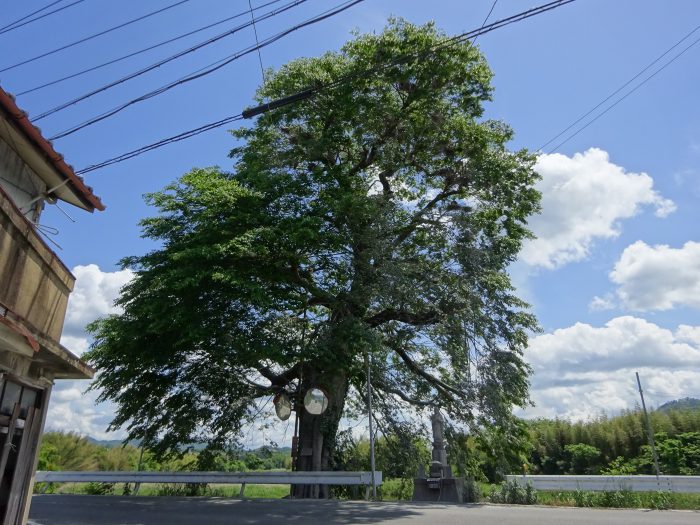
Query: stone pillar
x=439 y=485
x=438 y=424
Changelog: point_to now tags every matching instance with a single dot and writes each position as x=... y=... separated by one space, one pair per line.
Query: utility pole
x=650 y=432
x=371 y=426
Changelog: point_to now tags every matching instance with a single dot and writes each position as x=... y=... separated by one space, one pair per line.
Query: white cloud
x=607 y=302
x=93 y=296
x=70 y=407
x=658 y=277
x=584 y=198
x=581 y=371
x=76 y=344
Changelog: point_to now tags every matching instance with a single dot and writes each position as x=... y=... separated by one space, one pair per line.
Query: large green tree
x=376 y=218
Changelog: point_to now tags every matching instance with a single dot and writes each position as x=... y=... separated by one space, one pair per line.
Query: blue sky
x=610 y=297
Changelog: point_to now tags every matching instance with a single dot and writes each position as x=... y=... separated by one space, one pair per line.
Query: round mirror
x=283 y=406
x=315 y=401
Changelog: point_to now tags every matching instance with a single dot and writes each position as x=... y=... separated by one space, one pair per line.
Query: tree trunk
x=317 y=433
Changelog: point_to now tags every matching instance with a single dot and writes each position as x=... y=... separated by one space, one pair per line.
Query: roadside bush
x=661 y=500
x=472 y=490
x=182 y=489
x=511 y=492
x=618 y=499
x=609 y=498
x=45 y=488
x=396 y=489
x=99 y=489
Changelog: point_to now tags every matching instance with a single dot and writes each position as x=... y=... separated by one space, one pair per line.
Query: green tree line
x=604 y=445
x=71 y=451
x=616 y=445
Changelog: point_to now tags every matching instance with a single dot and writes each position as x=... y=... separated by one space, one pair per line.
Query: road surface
x=116 y=510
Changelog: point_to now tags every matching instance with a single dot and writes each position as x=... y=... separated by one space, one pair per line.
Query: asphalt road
x=115 y=510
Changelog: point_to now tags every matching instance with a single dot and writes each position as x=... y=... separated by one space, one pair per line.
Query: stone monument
x=438 y=485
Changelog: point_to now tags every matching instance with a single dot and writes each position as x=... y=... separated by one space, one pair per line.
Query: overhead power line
x=143 y=50
x=15 y=25
x=318 y=18
x=618 y=90
x=488 y=15
x=30 y=14
x=164 y=61
x=93 y=36
x=463 y=37
x=257 y=41
x=312 y=91
x=161 y=143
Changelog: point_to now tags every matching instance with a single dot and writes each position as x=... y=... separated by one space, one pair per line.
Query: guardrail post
x=240 y=494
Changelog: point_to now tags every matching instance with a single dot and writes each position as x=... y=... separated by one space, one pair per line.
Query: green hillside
x=687 y=403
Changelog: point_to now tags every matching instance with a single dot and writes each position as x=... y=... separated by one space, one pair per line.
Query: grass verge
x=167 y=489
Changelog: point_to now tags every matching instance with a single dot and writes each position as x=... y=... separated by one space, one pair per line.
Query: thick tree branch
x=384 y=179
x=319 y=296
x=403 y=316
x=413 y=401
x=281 y=379
x=440 y=385
x=260 y=389
x=406 y=231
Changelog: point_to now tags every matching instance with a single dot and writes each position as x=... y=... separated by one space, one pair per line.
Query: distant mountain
x=687 y=403
x=111 y=443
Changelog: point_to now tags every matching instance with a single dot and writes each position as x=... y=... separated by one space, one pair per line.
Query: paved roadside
x=116 y=510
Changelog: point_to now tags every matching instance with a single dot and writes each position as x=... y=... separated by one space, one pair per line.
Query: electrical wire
x=623 y=86
x=144 y=50
x=318 y=18
x=164 y=61
x=233 y=118
x=93 y=36
x=647 y=79
x=257 y=41
x=7 y=29
x=31 y=14
x=452 y=41
x=164 y=142
x=493 y=6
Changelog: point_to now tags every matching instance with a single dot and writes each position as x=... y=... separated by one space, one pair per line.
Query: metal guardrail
x=604 y=483
x=265 y=478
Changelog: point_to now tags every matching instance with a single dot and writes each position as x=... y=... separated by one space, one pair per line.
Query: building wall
x=34 y=283
x=34 y=290
x=21 y=183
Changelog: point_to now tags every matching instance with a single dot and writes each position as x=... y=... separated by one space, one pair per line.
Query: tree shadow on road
x=115 y=510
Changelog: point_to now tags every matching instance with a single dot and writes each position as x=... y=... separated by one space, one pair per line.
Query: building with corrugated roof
x=34 y=290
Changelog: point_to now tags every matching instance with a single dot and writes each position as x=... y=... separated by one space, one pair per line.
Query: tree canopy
x=376 y=219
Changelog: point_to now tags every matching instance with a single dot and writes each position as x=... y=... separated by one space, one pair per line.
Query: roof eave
x=74 y=182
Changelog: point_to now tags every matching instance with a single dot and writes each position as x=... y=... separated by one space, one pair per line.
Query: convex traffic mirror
x=283 y=406
x=315 y=401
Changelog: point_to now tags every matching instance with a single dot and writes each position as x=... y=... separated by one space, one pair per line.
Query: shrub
x=661 y=500
x=584 y=498
x=512 y=493
x=181 y=489
x=472 y=490
x=618 y=499
x=608 y=498
x=99 y=489
x=398 y=489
